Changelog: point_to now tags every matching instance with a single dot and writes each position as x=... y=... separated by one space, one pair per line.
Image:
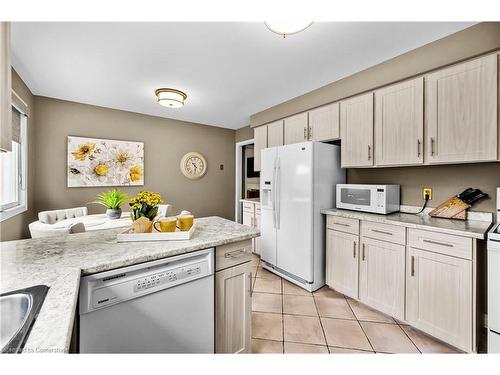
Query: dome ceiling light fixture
x=170 y=98
x=289 y=27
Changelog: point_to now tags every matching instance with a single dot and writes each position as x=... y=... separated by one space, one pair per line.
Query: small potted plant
x=144 y=209
x=112 y=200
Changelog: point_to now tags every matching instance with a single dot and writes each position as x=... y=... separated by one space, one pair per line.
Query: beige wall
x=473 y=41
x=17 y=227
x=445 y=181
x=243 y=134
x=166 y=141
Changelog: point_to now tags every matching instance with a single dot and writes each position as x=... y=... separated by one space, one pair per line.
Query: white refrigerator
x=296 y=182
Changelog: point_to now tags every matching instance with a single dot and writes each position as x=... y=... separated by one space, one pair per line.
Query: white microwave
x=379 y=199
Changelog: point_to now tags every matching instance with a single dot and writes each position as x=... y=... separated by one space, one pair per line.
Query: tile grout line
x=407 y=335
x=321 y=324
x=282 y=318
x=357 y=320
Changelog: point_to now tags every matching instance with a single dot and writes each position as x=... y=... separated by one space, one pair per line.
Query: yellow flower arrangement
x=84 y=150
x=101 y=169
x=145 y=204
x=135 y=173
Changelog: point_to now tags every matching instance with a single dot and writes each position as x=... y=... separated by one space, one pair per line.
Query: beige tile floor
x=288 y=319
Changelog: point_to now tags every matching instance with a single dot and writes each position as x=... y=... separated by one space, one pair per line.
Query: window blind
x=16 y=125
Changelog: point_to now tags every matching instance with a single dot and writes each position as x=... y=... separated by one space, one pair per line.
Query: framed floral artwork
x=104 y=162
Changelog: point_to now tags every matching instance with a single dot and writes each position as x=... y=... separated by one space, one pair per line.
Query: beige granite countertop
x=59 y=262
x=250 y=200
x=468 y=228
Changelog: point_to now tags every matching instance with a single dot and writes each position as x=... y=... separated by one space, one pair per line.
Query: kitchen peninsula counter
x=59 y=262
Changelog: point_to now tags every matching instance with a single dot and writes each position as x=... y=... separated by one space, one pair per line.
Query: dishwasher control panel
x=165 y=277
x=109 y=288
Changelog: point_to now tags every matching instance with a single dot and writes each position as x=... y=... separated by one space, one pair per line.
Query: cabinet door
x=342 y=262
x=275 y=134
x=233 y=304
x=296 y=129
x=324 y=123
x=399 y=123
x=439 y=296
x=461 y=112
x=356 y=131
x=248 y=218
x=382 y=276
x=260 y=142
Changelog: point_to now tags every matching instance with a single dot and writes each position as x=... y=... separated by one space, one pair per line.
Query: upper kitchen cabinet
x=275 y=134
x=356 y=131
x=324 y=123
x=260 y=142
x=461 y=112
x=399 y=123
x=296 y=129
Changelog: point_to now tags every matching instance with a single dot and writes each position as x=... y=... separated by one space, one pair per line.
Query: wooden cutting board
x=453 y=208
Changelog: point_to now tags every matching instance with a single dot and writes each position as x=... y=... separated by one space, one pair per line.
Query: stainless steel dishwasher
x=163 y=306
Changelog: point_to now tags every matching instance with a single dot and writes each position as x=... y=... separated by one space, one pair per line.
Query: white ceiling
x=229 y=70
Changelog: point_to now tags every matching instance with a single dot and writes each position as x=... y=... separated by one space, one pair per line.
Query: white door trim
x=238 y=175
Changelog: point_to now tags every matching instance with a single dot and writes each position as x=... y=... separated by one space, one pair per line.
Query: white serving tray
x=128 y=235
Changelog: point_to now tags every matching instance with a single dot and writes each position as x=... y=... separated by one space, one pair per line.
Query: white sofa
x=58 y=222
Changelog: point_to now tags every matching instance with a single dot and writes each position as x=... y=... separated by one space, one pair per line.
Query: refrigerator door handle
x=273 y=195
x=277 y=188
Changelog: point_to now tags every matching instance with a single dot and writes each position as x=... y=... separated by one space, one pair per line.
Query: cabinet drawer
x=248 y=207
x=257 y=208
x=447 y=244
x=232 y=254
x=384 y=232
x=342 y=224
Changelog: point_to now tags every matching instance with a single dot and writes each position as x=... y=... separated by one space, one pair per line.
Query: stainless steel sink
x=18 y=311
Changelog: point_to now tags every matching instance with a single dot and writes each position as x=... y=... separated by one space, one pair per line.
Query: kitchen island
x=59 y=262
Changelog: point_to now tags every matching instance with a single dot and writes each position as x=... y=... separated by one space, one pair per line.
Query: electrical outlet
x=427 y=191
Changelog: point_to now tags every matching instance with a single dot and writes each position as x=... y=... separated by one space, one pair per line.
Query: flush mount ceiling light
x=289 y=27
x=170 y=98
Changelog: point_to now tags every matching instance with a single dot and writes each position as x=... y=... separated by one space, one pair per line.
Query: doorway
x=247 y=179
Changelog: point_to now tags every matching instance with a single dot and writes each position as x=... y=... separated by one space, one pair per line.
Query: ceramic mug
x=185 y=222
x=166 y=224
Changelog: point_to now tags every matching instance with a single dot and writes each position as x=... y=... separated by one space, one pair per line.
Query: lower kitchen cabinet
x=382 y=276
x=248 y=218
x=233 y=307
x=422 y=277
x=342 y=262
x=251 y=218
x=256 y=240
x=439 y=297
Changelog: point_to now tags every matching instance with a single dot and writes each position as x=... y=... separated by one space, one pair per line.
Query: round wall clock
x=193 y=165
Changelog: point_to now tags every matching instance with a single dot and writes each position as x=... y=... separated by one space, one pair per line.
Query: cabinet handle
x=342 y=224
x=310 y=132
x=363 y=257
x=369 y=152
x=382 y=231
x=412 y=265
x=251 y=222
x=354 y=250
x=418 y=148
x=432 y=146
x=305 y=132
x=235 y=253
x=251 y=288
x=438 y=243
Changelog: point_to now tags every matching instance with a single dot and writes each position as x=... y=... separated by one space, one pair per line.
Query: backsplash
x=445 y=181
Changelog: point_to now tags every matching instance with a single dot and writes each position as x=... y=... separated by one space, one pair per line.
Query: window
x=13 y=168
